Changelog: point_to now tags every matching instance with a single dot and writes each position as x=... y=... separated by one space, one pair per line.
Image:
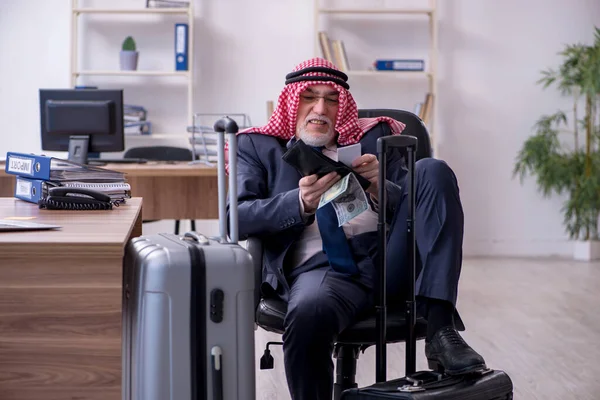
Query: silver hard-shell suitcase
x=188 y=309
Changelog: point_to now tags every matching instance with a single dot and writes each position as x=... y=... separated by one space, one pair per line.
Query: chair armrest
x=255 y=248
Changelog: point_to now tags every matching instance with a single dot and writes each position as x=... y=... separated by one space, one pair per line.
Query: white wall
x=491 y=53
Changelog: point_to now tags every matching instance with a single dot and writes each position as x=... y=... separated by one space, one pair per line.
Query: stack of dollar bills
x=348 y=197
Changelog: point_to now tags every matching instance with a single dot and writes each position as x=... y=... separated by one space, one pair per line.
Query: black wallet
x=308 y=161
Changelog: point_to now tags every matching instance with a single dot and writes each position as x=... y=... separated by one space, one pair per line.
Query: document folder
x=31 y=190
x=181 y=47
x=28 y=165
x=55 y=169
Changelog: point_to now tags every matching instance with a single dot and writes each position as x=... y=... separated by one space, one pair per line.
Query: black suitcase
x=417 y=385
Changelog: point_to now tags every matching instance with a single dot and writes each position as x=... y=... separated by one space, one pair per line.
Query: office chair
x=270 y=312
x=162 y=153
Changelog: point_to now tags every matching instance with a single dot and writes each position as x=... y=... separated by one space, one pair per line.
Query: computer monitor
x=82 y=121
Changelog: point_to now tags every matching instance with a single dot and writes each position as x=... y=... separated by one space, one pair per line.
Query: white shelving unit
x=395 y=74
x=163 y=10
x=430 y=73
x=132 y=73
x=374 y=10
x=76 y=72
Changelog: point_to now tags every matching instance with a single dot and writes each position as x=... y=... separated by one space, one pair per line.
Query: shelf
x=425 y=11
x=133 y=73
x=395 y=74
x=131 y=11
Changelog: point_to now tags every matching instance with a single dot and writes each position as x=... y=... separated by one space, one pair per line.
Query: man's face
x=317 y=112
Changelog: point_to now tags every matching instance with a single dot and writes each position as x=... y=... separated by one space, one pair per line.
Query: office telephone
x=67 y=198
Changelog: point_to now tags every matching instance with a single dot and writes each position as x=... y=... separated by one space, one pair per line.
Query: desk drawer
x=60 y=313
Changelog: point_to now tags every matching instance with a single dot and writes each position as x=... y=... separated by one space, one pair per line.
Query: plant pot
x=586 y=250
x=128 y=60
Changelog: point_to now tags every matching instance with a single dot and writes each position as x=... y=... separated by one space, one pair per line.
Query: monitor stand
x=78 y=148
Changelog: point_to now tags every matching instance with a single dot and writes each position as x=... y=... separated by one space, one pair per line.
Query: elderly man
x=326 y=280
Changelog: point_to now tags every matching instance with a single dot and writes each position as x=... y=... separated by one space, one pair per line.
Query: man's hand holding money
x=348 y=198
x=312 y=187
x=367 y=166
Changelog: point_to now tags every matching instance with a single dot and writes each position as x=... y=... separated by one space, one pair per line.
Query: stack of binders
x=36 y=174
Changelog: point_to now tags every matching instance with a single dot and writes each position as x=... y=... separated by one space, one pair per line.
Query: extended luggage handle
x=383 y=145
x=229 y=126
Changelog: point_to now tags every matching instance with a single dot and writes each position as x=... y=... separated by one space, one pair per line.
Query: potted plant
x=571 y=166
x=129 y=55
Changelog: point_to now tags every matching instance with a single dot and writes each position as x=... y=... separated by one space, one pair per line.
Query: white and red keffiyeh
x=349 y=127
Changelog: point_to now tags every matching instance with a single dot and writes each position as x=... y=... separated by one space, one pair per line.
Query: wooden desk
x=60 y=302
x=170 y=190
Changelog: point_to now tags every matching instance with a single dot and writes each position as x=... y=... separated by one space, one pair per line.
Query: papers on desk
x=62 y=172
x=116 y=190
x=10 y=225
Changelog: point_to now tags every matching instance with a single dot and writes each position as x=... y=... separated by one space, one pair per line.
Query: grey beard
x=315 y=140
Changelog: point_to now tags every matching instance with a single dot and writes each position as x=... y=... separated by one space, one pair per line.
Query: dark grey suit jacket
x=269 y=205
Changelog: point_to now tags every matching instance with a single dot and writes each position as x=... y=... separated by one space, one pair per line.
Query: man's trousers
x=323 y=302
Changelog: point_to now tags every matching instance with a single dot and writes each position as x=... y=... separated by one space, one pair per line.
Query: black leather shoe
x=448 y=352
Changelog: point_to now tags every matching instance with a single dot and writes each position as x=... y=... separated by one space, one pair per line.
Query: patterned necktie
x=335 y=244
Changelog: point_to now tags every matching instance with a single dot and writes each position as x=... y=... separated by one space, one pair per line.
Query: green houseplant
x=564 y=154
x=129 y=55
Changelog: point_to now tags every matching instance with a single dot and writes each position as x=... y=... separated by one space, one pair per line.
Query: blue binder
x=181 y=47
x=28 y=165
x=400 y=65
x=31 y=190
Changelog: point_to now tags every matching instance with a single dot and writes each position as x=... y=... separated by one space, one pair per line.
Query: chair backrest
x=414 y=127
x=160 y=153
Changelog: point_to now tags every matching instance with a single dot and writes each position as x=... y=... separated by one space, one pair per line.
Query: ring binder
x=38 y=175
x=55 y=169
